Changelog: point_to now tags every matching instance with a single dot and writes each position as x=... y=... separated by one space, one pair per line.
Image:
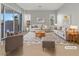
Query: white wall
x=59 y=19
x=71 y=9
x=40 y=13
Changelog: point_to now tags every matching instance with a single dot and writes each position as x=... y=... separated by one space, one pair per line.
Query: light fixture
x=39 y=6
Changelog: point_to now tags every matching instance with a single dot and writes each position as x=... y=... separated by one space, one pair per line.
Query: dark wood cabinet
x=13 y=42
x=72 y=36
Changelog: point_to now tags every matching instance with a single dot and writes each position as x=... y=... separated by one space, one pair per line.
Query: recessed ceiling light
x=40 y=6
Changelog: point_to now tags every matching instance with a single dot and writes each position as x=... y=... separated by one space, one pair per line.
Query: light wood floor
x=37 y=50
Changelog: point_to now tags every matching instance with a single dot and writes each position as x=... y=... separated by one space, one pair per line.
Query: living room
x=40 y=25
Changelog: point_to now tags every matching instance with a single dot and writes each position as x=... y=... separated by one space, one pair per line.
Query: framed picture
x=40 y=20
x=66 y=20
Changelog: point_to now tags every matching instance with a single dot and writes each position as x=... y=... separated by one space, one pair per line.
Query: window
x=7 y=20
x=2 y=21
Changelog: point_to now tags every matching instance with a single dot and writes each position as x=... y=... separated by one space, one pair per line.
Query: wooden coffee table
x=40 y=34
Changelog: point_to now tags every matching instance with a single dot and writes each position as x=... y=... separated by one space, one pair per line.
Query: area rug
x=30 y=38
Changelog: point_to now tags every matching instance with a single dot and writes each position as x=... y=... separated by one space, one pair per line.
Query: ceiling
x=40 y=6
